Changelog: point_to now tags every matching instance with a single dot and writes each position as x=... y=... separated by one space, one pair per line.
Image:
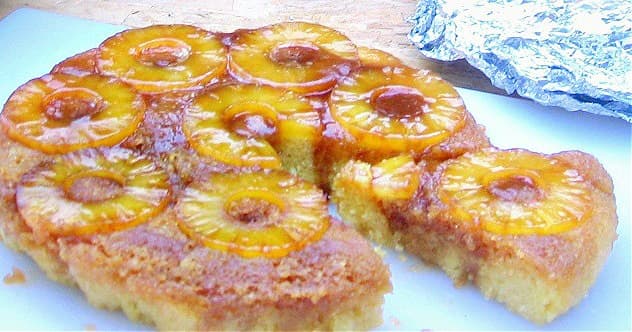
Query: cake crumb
x=395 y=322
x=417 y=267
x=15 y=277
x=89 y=327
x=379 y=250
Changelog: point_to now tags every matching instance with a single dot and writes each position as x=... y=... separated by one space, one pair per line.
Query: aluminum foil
x=574 y=54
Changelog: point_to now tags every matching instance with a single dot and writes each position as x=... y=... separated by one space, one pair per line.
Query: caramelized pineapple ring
x=61 y=113
x=160 y=58
x=515 y=192
x=81 y=64
x=395 y=178
x=303 y=57
x=92 y=191
x=262 y=214
x=392 y=179
x=397 y=109
x=238 y=124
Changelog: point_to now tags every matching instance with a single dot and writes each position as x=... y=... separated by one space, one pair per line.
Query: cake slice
x=531 y=231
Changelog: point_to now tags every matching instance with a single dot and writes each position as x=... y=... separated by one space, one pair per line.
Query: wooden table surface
x=374 y=23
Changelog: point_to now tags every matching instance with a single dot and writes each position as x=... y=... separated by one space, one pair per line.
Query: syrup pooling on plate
x=515 y=192
x=60 y=113
x=241 y=124
x=302 y=57
x=92 y=191
x=161 y=58
x=396 y=108
x=260 y=214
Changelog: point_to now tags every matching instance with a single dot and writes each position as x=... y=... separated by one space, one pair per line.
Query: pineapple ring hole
x=397 y=101
x=67 y=104
x=255 y=208
x=515 y=188
x=295 y=53
x=93 y=186
x=163 y=52
x=252 y=119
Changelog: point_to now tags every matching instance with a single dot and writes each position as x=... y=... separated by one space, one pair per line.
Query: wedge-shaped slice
x=530 y=230
x=61 y=113
x=252 y=125
x=161 y=58
x=360 y=187
x=302 y=57
x=92 y=191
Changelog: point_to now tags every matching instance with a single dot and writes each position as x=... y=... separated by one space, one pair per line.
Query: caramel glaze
x=71 y=104
x=81 y=64
x=93 y=189
x=160 y=135
x=331 y=66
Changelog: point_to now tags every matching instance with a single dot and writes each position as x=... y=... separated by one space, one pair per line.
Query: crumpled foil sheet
x=576 y=54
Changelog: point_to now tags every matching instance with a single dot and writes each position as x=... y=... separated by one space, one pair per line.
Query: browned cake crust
x=536 y=276
x=197 y=288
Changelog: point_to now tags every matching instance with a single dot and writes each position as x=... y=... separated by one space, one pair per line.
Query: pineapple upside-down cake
x=181 y=175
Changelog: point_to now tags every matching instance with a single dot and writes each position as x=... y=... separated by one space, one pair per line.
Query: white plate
x=423 y=298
